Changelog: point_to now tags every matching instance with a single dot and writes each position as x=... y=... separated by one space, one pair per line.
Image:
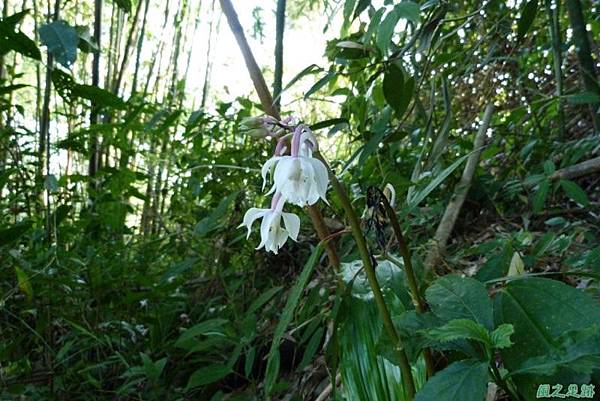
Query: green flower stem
x=407 y=377
x=411 y=277
x=429 y=361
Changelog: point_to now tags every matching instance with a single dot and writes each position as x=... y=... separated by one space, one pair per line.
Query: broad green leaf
x=361 y=6
x=461 y=329
x=370 y=147
x=287 y=316
x=348 y=8
x=408 y=10
x=528 y=13
x=180 y=267
x=69 y=89
x=11 y=39
x=461 y=381
x=100 y=97
x=385 y=31
x=61 y=40
x=501 y=336
x=152 y=369
x=543 y=244
x=575 y=192
x=207 y=375
x=373 y=25
x=453 y=297
x=549 y=167
x=497 y=264
x=413 y=327
x=541 y=310
x=393 y=89
x=367 y=357
x=24 y=283
x=390 y=277
x=578 y=351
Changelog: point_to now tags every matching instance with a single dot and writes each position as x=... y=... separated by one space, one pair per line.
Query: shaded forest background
x=124 y=175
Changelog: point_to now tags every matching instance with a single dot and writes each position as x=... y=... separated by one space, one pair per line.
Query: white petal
x=265 y=226
x=267 y=169
x=251 y=215
x=292 y=224
x=321 y=177
x=282 y=236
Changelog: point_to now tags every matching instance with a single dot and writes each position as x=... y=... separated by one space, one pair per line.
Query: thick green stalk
x=407 y=377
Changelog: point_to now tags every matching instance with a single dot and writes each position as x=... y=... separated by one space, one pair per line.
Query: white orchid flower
x=300 y=178
x=272 y=234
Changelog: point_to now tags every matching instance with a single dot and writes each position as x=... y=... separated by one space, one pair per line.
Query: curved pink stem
x=296 y=139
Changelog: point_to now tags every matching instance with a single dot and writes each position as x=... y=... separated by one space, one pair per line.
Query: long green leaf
x=287 y=315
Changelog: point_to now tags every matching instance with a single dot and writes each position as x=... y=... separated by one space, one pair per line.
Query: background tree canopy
x=463 y=144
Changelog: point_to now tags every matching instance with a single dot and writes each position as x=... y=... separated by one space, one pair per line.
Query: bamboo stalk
x=279 y=30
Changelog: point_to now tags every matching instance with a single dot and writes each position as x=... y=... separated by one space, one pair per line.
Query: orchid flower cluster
x=298 y=178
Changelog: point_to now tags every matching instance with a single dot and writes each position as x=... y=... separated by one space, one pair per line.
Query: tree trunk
x=94 y=156
x=446 y=225
x=44 y=138
x=139 y=48
x=255 y=73
x=128 y=44
x=205 y=87
x=584 y=55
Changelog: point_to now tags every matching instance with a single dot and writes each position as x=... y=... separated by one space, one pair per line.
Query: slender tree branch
x=460 y=194
x=577 y=170
x=255 y=74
